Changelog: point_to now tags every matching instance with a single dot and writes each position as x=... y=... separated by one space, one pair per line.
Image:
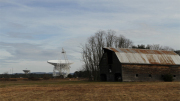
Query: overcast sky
x=34 y=31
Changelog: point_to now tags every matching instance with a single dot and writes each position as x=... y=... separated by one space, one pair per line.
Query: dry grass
x=58 y=90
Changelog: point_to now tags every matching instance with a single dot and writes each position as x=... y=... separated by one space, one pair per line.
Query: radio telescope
x=62 y=66
x=26 y=71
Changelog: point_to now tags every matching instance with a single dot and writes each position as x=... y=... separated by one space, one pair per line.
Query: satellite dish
x=26 y=71
x=62 y=66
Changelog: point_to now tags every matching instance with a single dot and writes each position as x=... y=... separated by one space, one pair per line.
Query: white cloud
x=4 y=54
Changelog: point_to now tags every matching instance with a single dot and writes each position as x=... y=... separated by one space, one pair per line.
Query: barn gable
x=178 y=52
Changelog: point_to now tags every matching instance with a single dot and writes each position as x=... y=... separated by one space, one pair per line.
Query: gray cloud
x=26 y=51
x=32 y=30
x=19 y=35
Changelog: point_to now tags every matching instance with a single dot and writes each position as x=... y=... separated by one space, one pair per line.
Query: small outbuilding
x=121 y=64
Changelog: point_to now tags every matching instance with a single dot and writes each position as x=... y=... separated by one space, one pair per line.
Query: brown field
x=78 y=90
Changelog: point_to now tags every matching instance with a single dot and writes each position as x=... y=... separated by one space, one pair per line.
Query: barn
x=121 y=64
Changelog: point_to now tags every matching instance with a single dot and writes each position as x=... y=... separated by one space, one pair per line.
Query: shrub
x=60 y=77
x=4 y=79
x=13 y=80
x=46 y=77
x=70 y=76
x=168 y=77
x=33 y=78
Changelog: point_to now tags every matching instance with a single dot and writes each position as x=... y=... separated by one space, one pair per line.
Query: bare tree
x=123 y=42
x=110 y=38
x=153 y=47
x=92 y=51
x=159 y=47
x=168 y=48
x=156 y=47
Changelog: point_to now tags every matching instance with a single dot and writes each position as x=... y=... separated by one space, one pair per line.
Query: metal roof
x=145 y=56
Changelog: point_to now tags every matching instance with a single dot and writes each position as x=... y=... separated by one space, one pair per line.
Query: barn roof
x=145 y=56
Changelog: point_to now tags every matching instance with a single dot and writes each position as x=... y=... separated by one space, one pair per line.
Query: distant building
x=118 y=64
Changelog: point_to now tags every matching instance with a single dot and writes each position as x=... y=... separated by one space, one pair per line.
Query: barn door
x=103 y=77
x=117 y=77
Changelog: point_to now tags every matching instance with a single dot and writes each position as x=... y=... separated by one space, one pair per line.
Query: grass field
x=75 y=90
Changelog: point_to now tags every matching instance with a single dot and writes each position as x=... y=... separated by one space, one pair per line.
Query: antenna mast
x=63 y=66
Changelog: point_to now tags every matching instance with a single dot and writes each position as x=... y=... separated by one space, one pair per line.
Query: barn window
x=174 y=75
x=150 y=75
x=137 y=75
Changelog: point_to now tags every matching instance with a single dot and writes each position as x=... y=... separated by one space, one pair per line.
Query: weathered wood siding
x=149 y=72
